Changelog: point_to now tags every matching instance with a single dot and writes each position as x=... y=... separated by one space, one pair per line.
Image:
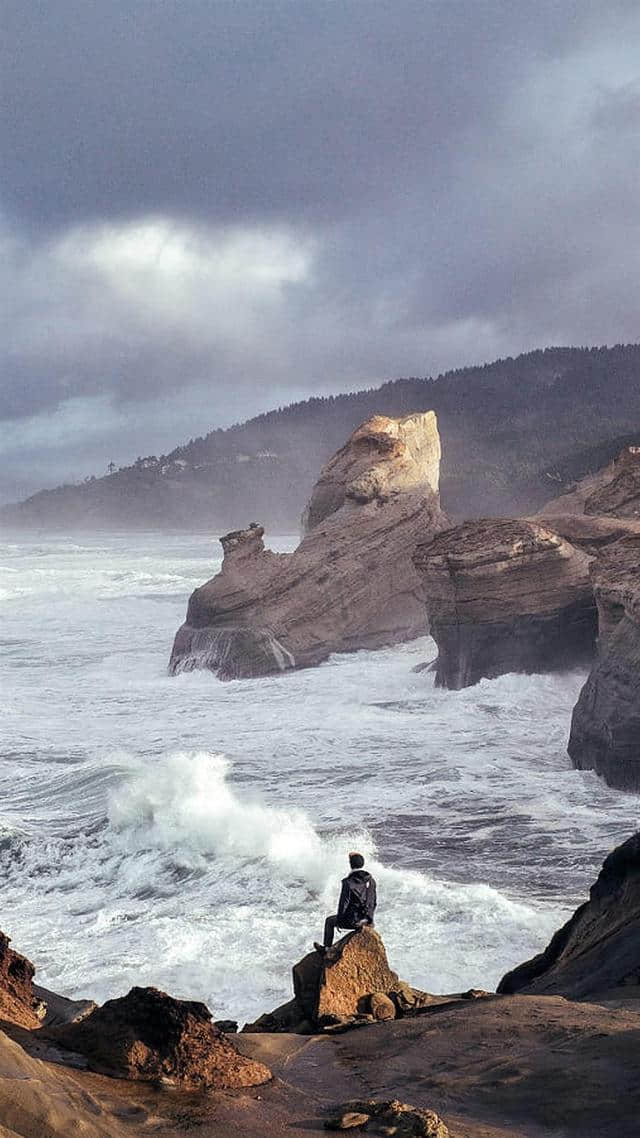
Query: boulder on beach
x=598 y=948
x=506 y=596
x=151 y=1036
x=350 y=584
x=351 y=981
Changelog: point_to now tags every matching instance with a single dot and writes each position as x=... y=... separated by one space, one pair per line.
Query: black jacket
x=357 y=899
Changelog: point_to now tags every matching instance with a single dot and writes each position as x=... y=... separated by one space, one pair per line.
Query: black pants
x=331 y=924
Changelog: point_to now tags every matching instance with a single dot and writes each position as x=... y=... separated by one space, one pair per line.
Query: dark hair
x=356 y=860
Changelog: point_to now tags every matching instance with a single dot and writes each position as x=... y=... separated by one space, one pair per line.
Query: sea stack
x=506 y=596
x=351 y=582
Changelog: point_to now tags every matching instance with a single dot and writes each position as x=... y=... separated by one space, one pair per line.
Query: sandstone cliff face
x=614 y=490
x=605 y=728
x=382 y=456
x=19 y=1003
x=589 y=532
x=505 y=596
x=350 y=584
x=597 y=949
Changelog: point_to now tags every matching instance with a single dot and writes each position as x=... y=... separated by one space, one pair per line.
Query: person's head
x=356 y=860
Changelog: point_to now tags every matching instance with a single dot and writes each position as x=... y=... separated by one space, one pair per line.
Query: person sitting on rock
x=357 y=902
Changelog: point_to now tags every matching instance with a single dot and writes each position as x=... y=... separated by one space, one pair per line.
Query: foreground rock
x=598 y=948
x=506 y=596
x=351 y=982
x=605 y=727
x=350 y=584
x=392 y=1117
x=19 y=1003
x=149 y=1035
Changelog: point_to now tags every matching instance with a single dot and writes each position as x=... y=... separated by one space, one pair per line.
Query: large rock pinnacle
x=350 y=584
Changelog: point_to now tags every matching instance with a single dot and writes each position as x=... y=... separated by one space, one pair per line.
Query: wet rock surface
x=598 y=948
x=350 y=584
x=506 y=596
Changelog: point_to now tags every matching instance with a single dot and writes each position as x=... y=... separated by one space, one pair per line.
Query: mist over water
x=191 y=834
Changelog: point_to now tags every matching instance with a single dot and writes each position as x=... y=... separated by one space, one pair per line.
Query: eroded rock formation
x=149 y=1035
x=351 y=981
x=381 y=457
x=589 y=532
x=597 y=949
x=614 y=490
x=506 y=596
x=19 y=1002
x=350 y=584
x=605 y=728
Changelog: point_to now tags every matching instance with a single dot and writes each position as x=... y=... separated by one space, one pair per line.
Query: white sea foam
x=192 y=834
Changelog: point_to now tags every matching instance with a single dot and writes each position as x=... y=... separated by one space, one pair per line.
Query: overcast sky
x=210 y=208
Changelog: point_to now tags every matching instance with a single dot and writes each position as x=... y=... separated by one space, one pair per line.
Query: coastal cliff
x=614 y=490
x=605 y=727
x=505 y=596
x=351 y=582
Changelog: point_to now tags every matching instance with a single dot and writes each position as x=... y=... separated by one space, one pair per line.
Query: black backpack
x=359 y=898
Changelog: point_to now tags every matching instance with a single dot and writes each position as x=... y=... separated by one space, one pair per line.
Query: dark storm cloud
x=225 y=203
x=264 y=110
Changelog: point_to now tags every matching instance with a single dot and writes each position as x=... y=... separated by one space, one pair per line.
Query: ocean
x=192 y=834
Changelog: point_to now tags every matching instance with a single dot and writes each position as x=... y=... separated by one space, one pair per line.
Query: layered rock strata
x=614 y=490
x=597 y=949
x=506 y=596
x=151 y=1036
x=589 y=532
x=383 y=456
x=350 y=584
x=605 y=727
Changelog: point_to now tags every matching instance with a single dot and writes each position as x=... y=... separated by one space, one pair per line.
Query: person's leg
x=330 y=926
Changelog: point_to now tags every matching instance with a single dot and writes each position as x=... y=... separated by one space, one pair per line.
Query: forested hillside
x=514 y=433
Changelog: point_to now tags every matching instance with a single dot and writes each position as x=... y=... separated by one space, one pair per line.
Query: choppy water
x=192 y=834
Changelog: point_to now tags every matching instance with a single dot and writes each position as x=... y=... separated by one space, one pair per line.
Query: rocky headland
x=351 y=582
x=553 y=1052
x=551 y=592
